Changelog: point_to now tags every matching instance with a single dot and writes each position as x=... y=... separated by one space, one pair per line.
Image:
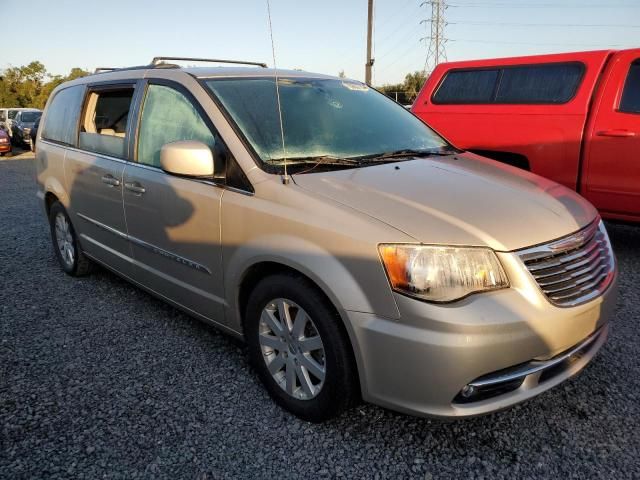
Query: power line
x=515 y=24
x=402 y=26
x=394 y=15
x=598 y=45
x=400 y=41
x=536 y=5
x=399 y=57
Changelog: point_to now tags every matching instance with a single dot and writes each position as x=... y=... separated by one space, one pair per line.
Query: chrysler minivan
x=358 y=253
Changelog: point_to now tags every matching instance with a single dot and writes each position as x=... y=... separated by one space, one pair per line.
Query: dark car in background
x=34 y=132
x=22 y=125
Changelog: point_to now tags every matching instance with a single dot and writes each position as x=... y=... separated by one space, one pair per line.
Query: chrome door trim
x=170 y=255
x=103 y=226
x=149 y=246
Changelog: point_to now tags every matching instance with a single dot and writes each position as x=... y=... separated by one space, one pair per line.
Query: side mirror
x=188 y=158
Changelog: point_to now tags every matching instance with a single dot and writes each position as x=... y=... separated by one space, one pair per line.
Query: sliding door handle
x=111 y=180
x=135 y=187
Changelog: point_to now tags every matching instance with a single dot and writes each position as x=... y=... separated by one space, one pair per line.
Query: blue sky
x=322 y=36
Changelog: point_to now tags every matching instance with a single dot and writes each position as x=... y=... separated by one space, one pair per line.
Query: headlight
x=441 y=273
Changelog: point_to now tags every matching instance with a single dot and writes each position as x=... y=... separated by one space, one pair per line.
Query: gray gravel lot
x=100 y=380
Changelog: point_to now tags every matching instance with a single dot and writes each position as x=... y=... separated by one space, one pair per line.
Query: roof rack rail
x=159 y=60
x=105 y=69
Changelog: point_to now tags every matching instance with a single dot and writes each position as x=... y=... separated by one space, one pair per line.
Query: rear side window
x=630 y=102
x=105 y=119
x=3 y=115
x=467 y=86
x=61 y=122
x=553 y=83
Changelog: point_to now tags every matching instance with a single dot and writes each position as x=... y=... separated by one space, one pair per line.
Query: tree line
x=407 y=91
x=30 y=85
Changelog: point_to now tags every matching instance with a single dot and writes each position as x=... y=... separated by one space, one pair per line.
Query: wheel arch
x=259 y=270
x=49 y=199
x=55 y=191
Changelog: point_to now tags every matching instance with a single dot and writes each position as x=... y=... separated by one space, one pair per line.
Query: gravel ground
x=100 y=380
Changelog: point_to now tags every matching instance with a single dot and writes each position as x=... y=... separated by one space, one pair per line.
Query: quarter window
x=468 y=86
x=168 y=116
x=61 y=122
x=631 y=94
x=105 y=120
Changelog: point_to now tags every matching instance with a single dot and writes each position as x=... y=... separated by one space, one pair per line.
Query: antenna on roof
x=285 y=178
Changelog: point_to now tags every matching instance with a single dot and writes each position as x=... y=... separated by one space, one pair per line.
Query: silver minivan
x=358 y=253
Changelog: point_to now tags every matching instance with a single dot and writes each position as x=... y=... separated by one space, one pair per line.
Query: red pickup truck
x=571 y=117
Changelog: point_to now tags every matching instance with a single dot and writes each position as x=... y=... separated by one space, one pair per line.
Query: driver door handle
x=111 y=180
x=135 y=187
x=616 y=133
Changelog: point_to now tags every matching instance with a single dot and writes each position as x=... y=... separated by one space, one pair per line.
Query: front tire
x=65 y=243
x=299 y=349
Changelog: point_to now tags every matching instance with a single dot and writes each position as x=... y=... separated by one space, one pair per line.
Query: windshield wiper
x=374 y=157
x=315 y=159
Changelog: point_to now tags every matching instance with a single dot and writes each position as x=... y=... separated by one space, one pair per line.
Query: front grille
x=573 y=269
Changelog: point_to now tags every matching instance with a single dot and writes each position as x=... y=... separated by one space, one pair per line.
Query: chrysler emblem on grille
x=574 y=241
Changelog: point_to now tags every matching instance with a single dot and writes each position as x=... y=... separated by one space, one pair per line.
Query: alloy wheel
x=64 y=239
x=292 y=348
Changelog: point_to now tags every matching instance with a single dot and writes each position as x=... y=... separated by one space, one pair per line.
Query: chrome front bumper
x=531 y=374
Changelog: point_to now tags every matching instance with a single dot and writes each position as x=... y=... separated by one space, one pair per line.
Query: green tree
x=30 y=85
x=407 y=91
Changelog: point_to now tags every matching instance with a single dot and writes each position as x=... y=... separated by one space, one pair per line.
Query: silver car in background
x=358 y=253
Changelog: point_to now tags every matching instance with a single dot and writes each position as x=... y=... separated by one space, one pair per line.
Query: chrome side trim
x=103 y=226
x=170 y=255
x=153 y=248
x=535 y=366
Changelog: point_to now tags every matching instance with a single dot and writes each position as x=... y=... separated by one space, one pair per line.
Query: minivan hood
x=459 y=200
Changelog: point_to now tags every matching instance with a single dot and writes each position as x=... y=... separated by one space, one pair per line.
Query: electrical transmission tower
x=435 y=40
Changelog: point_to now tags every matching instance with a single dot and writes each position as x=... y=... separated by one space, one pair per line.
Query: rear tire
x=65 y=243
x=306 y=362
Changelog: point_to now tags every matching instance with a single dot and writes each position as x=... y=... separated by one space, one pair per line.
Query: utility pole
x=369 y=64
x=435 y=40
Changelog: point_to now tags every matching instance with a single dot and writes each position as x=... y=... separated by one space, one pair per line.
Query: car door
x=94 y=174
x=612 y=164
x=174 y=222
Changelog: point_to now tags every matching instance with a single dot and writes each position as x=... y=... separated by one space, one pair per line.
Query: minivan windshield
x=339 y=122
